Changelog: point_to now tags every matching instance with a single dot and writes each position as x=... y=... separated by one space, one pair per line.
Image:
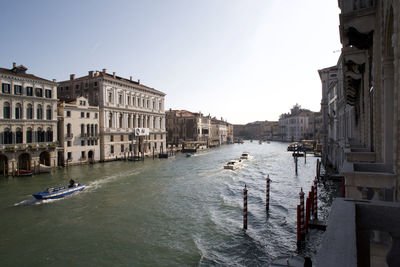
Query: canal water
x=182 y=211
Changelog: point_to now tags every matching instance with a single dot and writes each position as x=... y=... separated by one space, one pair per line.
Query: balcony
x=361 y=233
x=90 y=136
x=69 y=136
x=358 y=155
x=369 y=181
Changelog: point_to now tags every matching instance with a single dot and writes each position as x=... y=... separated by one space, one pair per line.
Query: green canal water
x=182 y=211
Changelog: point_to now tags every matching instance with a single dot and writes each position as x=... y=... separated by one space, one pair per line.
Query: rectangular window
x=95 y=115
x=120 y=99
x=82 y=142
x=48 y=93
x=87 y=115
x=69 y=143
x=82 y=114
x=77 y=86
x=111 y=138
x=69 y=155
x=122 y=137
x=18 y=89
x=122 y=148
x=83 y=155
x=29 y=91
x=86 y=85
x=5 y=88
x=68 y=113
x=110 y=97
x=39 y=92
x=112 y=149
x=95 y=84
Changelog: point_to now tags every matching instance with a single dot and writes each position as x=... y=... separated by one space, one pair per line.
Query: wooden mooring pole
x=245 y=208
x=267 y=194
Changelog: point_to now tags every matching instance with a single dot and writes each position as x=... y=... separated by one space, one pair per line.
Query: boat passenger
x=71 y=183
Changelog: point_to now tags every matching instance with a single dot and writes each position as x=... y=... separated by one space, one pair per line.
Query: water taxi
x=246 y=155
x=59 y=192
x=232 y=164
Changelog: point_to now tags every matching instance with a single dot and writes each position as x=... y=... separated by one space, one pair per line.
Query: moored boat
x=24 y=173
x=59 y=192
x=44 y=168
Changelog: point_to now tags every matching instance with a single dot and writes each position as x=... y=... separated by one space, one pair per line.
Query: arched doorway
x=3 y=165
x=45 y=158
x=24 y=161
x=91 y=156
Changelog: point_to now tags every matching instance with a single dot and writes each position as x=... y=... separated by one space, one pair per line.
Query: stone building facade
x=78 y=132
x=364 y=126
x=132 y=116
x=28 y=120
x=183 y=125
x=295 y=126
x=264 y=130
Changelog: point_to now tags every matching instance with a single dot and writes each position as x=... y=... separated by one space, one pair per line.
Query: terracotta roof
x=25 y=75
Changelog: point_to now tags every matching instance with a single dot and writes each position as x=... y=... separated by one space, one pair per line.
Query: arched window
x=49 y=135
x=96 y=129
x=91 y=129
x=88 y=129
x=129 y=121
x=110 y=117
x=82 y=129
x=29 y=135
x=40 y=135
x=68 y=129
x=18 y=136
x=120 y=121
x=6 y=110
x=48 y=113
x=18 y=111
x=39 y=112
x=29 y=112
x=7 y=135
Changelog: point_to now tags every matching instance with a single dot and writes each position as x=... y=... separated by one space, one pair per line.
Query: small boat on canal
x=232 y=164
x=59 y=192
x=246 y=155
x=24 y=173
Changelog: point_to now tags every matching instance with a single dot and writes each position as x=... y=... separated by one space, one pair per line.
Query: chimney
x=72 y=77
x=138 y=81
x=54 y=80
x=130 y=77
x=97 y=73
x=114 y=74
x=91 y=73
x=14 y=64
x=104 y=70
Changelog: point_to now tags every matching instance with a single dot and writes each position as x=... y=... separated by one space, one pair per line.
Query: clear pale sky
x=243 y=60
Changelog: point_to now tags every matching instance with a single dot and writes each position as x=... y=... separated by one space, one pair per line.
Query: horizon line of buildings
x=296 y=125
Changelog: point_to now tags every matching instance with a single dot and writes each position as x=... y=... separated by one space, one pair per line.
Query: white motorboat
x=232 y=164
x=246 y=155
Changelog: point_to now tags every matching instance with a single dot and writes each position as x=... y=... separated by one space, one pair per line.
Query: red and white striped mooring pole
x=245 y=207
x=267 y=194
x=315 y=208
x=301 y=194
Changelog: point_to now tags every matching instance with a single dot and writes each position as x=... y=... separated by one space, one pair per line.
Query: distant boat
x=59 y=192
x=260 y=142
x=246 y=155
